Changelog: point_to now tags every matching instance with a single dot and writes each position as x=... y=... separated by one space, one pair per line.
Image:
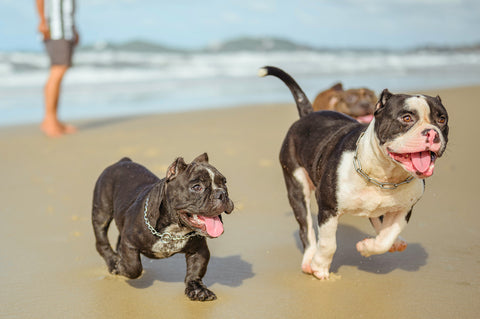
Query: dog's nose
x=220 y=194
x=366 y=106
x=432 y=136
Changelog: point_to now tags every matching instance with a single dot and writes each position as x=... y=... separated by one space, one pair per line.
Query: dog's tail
x=303 y=104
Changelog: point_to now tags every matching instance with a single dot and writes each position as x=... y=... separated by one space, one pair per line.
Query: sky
x=193 y=24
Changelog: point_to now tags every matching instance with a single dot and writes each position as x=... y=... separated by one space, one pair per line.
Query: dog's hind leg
x=299 y=187
x=102 y=215
x=129 y=263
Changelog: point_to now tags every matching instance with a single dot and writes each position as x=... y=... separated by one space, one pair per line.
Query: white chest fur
x=163 y=249
x=360 y=198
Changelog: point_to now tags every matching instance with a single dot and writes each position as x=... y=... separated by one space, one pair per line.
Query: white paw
x=307 y=259
x=306 y=268
x=320 y=266
x=322 y=274
x=363 y=247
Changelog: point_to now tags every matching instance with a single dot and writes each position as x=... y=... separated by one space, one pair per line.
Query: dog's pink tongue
x=365 y=118
x=213 y=225
x=421 y=161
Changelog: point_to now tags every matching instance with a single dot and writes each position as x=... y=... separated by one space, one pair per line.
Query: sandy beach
x=49 y=267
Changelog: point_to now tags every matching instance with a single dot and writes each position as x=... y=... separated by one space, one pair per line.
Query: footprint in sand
x=50 y=210
x=76 y=234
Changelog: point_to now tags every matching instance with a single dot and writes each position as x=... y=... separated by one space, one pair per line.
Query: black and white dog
x=160 y=217
x=373 y=171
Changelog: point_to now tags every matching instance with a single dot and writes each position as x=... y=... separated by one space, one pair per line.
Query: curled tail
x=303 y=104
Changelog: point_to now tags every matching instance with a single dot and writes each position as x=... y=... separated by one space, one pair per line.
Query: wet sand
x=49 y=267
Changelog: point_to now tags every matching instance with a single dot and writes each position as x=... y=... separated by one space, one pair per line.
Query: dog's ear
x=337 y=87
x=438 y=99
x=382 y=101
x=201 y=158
x=175 y=168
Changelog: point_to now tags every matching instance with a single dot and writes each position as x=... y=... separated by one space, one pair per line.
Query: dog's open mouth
x=420 y=163
x=210 y=226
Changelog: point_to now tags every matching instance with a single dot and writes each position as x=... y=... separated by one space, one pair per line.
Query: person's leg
x=60 y=53
x=51 y=126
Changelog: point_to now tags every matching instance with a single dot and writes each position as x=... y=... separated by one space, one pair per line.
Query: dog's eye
x=442 y=120
x=197 y=188
x=407 y=118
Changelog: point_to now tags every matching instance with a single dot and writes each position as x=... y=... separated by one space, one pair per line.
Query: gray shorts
x=60 y=51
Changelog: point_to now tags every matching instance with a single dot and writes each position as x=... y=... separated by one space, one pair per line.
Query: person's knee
x=57 y=72
x=59 y=69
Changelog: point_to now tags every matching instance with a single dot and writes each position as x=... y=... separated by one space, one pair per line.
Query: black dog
x=374 y=171
x=161 y=217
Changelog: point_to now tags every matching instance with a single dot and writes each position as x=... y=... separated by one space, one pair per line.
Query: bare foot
x=56 y=129
x=68 y=129
x=51 y=129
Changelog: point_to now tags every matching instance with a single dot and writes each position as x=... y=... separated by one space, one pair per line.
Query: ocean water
x=115 y=83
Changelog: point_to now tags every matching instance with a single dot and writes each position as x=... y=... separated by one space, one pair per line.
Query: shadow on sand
x=228 y=271
x=411 y=259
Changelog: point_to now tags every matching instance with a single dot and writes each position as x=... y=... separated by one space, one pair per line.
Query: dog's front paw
x=113 y=265
x=196 y=290
x=321 y=263
x=321 y=274
x=364 y=247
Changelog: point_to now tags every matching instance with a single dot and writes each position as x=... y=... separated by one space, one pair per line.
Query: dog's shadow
x=411 y=259
x=228 y=271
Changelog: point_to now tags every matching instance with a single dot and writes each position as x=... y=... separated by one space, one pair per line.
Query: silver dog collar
x=165 y=237
x=382 y=185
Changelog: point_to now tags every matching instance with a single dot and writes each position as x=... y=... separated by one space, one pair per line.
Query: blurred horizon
x=246 y=43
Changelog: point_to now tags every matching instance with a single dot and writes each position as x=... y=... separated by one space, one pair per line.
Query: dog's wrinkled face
x=358 y=103
x=412 y=130
x=199 y=195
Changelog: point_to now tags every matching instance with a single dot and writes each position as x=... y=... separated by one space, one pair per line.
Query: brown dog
x=357 y=103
